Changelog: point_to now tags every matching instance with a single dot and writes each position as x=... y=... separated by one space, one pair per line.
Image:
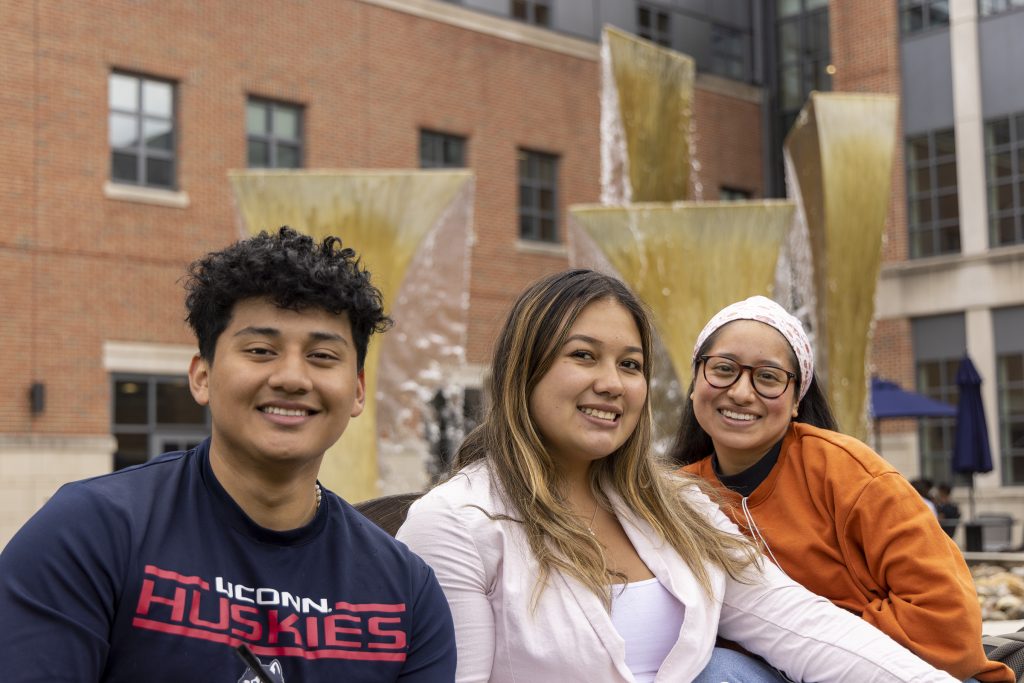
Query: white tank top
x=635 y=608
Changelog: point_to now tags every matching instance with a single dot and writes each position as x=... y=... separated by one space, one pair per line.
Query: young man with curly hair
x=159 y=572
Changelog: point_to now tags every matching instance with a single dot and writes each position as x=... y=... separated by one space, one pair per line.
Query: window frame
x=530 y=213
x=156 y=432
x=1014 y=149
x=933 y=226
x=142 y=152
x=270 y=137
x=654 y=31
x=444 y=142
x=535 y=12
x=928 y=15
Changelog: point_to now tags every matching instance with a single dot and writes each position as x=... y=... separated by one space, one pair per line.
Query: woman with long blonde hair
x=567 y=552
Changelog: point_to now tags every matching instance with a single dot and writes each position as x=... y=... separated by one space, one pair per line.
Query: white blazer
x=488 y=573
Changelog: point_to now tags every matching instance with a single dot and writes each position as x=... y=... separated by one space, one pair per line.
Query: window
x=804 y=55
x=1008 y=328
x=273 y=134
x=532 y=11
x=939 y=343
x=538 y=196
x=1004 y=154
x=933 y=214
x=154 y=414
x=987 y=7
x=729 y=52
x=142 y=131
x=654 y=24
x=733 y=194
x=918 y=15
x=440 y=150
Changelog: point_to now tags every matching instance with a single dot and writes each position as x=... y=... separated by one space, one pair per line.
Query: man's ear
x=360 y=402
x=199 y=379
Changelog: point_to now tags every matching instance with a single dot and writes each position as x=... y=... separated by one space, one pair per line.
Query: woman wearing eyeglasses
x=826 y=508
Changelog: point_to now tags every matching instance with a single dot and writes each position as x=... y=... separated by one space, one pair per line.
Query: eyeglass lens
x=768 y=381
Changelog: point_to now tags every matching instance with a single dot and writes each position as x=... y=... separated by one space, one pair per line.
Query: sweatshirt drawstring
x=756 y=532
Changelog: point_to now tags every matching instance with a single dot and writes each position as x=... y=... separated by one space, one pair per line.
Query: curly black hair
x=294 y=272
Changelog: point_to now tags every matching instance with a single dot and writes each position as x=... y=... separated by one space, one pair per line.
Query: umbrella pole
x=970 y=496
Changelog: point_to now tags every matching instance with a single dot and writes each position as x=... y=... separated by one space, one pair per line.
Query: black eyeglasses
x=768 y=380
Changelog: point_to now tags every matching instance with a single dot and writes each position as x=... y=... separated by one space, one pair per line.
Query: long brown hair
x=526 y=474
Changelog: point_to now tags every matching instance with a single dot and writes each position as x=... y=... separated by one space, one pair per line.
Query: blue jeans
x=729 y=666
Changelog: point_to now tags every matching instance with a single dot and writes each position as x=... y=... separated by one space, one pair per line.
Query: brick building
x=101 y=219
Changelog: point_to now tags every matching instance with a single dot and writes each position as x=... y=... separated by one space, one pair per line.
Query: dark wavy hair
x=693 y=443
x=291 y=270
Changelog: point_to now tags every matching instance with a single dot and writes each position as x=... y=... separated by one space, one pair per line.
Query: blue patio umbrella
x=971 y=452
x=890 y=400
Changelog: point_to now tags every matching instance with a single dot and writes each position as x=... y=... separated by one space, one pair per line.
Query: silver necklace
x=590 y=524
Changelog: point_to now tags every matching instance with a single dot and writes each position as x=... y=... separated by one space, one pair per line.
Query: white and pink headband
x=763 y=309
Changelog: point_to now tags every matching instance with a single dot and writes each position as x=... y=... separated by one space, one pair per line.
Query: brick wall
x=79 y=268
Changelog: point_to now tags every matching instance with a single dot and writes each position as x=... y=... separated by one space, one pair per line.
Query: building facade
x=124 y=118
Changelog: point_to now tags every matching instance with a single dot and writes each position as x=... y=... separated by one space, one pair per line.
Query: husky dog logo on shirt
x=274 y=669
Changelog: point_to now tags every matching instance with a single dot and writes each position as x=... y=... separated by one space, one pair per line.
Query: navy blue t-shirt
x=154 y=575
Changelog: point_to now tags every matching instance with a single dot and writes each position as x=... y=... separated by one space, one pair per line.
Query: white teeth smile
x=274 y=410
x=746 y=417
x=600 y=414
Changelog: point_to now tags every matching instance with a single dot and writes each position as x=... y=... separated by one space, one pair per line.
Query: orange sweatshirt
x=841 y=521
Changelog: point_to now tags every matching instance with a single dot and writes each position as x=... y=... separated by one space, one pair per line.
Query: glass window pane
x=789 y=41
x=175 y=405
x=815 y=4
x=1003 y=197
x=945 y=143
x=288 y=156
x=1000 y=165
x=949 y=239
x=286 y=123
x=526 y=227
x=547 y=230
x=519 y=9
x=948 y=207
x=918 y=149
x=997 y=133
x=912 y=19
x=541 y=17
x=124 y=166
x=255 y=118
x=1012 y=368
x=921 y=180
x=131 y=402
x=922 y=210
x=157 y=98
x=921 y=243
x=1005 y=231
x=159 y=172
x=643 y=17
x=945 y=174
x=157 y=133
x=124 y=92
x=791 y=95
x=938 y=13
x=132 y=449
x=788 y=7
x=258 y=154
x=547 y=200
x=124 y=130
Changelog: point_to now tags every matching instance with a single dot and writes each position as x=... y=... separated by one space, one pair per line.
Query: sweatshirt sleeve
x=436 y=532
x=805 y=635
x=925 y=597
x=60 y=578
